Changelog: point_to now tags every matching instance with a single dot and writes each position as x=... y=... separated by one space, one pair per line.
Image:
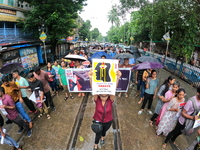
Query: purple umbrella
x=10 y=67
x=148 y=65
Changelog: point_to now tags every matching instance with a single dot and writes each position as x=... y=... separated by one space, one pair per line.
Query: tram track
x=78 y=121
x=79 y=118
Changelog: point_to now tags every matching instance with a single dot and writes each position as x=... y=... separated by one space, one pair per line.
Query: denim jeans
x=8 y=140
x=53 y=86
x=132 y=77
x=142 y=85
x=22 y=111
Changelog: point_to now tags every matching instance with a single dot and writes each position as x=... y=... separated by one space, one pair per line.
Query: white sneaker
x=140 y=112
x=150 y=112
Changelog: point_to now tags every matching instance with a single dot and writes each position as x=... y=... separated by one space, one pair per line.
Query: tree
x=95 y=33
x=84 y=30
x=58 y=18
x=113 y=16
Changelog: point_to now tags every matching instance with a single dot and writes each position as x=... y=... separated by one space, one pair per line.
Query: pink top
x=8 y=101
x=44 y=78
x=99 y=111
x=189 y=108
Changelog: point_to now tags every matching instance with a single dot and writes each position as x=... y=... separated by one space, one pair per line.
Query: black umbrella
x=123 y=55
x=147 y=58
x=10 y=67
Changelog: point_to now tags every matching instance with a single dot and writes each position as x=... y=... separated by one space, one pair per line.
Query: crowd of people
x=169 y=116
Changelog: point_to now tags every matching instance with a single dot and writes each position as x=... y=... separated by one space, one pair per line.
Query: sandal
x=48 y=117
x=40 y=115
x=164 y=146
x=174 y=143
x=126 y=95
x=151 y=123
x=65 y=98
x=12 y=148
x=54 y=93
x=71 y=97
x=119 y=95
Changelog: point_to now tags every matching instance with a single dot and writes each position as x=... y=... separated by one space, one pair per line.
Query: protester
x=12 y=90
x=103 y=104
x=79 y=66
x=103 y=57
x=23 y=85
x=125 y=65
x=169 y=120
x=37 y=86
x=140 y=83
x=44 y=78
x=185 y=114
x=132 y=62
x=63 y=80
x=150 y=92
x=167 y=85
x=52 y=79
x=169 y=95
x=145 y=76
x=10 y=107
x=7 y=139
x=56 y=67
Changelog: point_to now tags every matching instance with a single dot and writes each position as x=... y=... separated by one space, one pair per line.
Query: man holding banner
x=104 y=79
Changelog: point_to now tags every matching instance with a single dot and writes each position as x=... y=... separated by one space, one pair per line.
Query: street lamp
x=165 y=25
x=43 y=37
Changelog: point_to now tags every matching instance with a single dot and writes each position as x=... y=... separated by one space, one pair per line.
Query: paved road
x=135 y=132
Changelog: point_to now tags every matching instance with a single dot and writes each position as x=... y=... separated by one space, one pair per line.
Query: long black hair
x=166 y=83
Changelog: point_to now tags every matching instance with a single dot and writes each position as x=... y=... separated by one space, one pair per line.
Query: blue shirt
x=132 y=61
x=153 y=84
x=112 y=54
x=22 y=82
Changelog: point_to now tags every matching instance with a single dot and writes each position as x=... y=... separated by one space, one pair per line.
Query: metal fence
x=187 y=72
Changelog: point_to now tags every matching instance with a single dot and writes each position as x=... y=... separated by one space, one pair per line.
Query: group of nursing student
x=171 y=109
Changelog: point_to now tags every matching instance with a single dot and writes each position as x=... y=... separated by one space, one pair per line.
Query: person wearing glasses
x=103 y=112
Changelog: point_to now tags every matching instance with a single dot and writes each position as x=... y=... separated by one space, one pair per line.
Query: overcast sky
x=96 y=11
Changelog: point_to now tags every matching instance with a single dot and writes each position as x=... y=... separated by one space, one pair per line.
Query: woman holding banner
x=103 y=112
x=78 y=65
x=125 y=65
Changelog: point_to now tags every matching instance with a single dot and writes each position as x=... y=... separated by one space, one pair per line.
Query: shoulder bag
x=189 y=130
x=97 y=126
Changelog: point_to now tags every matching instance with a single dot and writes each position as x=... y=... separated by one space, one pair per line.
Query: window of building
x=2 y=2
x=1 y=24
x=11 y=2
x=10 y=25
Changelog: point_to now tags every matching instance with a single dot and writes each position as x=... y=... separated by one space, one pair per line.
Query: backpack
x=189 y=130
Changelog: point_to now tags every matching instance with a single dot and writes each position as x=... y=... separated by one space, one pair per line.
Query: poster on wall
x=29 y=61
x=104 y=76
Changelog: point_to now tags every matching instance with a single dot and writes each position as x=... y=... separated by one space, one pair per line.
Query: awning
x=8 y=18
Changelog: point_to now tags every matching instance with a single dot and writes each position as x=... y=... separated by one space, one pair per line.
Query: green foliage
x=84 y=30
x=113 y=16
x=58 y=17
x=95 y=33
x=180 y=17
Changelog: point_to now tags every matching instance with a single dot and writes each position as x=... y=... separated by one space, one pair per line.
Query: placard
x=104 y=76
